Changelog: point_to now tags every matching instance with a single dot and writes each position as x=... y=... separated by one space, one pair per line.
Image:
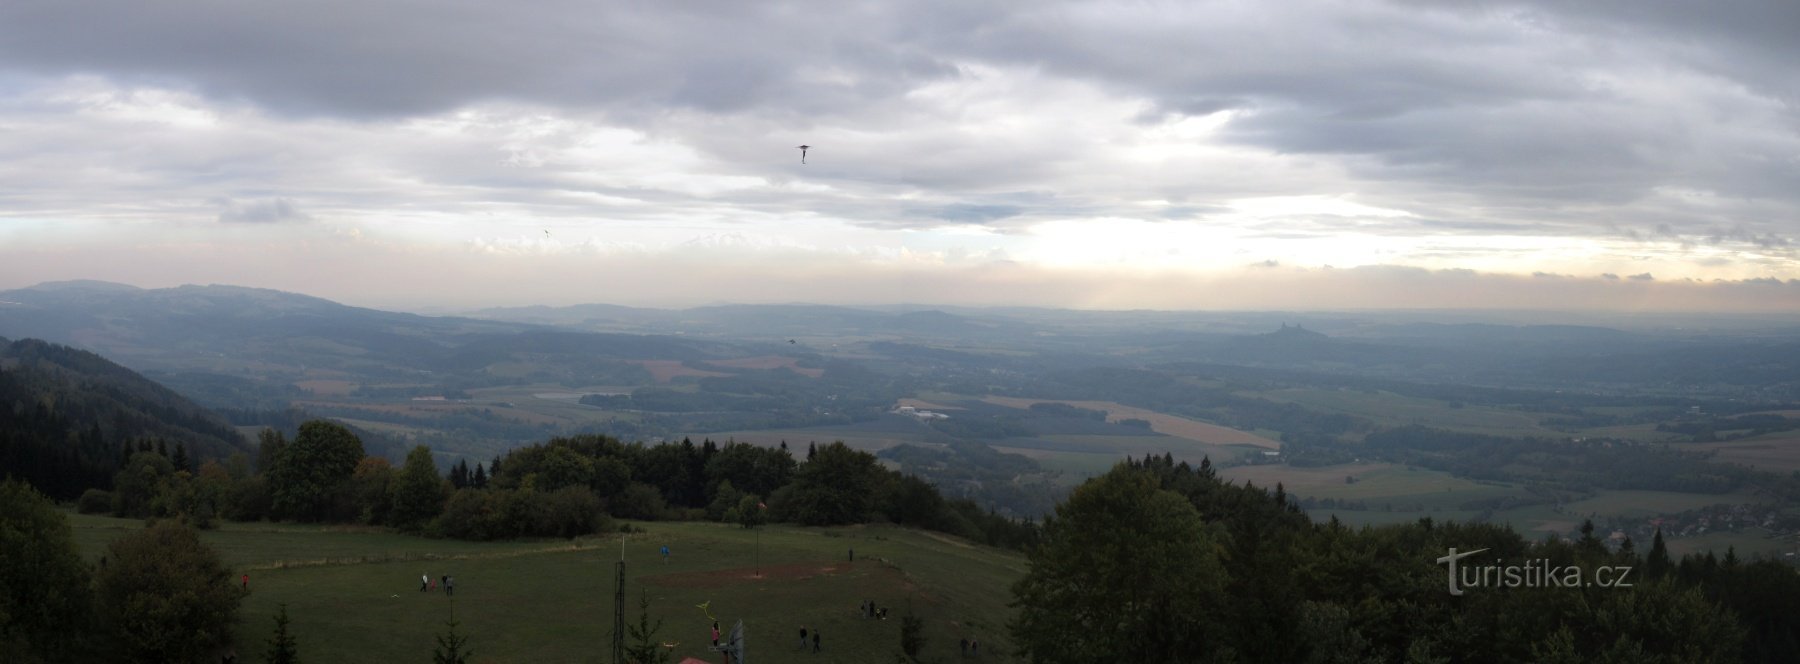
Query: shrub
x=94 y=501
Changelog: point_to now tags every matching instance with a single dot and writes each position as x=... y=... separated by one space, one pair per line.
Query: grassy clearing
x=353 y=595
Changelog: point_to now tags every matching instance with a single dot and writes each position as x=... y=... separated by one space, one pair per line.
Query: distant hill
x=768 y=321
x=65 y=415
x=170 y=327
x=242 y=347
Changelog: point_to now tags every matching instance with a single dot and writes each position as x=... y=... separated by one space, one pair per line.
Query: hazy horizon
x=1604 y=156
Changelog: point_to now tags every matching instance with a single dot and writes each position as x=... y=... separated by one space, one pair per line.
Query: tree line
x=1158 y=561
x=563 y=487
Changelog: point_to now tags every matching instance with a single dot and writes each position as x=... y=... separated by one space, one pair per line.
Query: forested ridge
x=67 y=414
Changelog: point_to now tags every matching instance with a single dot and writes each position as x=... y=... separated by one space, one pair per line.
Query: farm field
x=1377 y=484
x=1776 y=453
x=1389 y=409
x=1170 y=425
x=353 y=596
x=1752 y=542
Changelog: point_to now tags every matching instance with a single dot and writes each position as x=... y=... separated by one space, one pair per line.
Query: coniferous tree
x=479 y=481
x=912 y=634
x=459 y=475
x=452 y=648
x=282 y=647
x=1657 y=563
x=645 y=649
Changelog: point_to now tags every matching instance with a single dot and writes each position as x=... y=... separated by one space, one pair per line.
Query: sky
x=1603 y=154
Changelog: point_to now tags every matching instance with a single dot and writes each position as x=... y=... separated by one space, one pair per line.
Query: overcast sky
x=1634 y=154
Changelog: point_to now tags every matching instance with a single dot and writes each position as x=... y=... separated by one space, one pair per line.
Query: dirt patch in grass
x=720 y=578
x=771 y=362
x=664 y=371
x=1179 y=427
x=328 y=388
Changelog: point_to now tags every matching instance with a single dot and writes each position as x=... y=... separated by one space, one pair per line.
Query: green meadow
x=353 y=594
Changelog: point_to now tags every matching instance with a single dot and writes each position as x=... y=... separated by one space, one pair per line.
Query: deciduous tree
x=165 y=595
x=311 y=468
x=1126 y=572
x=44 y=598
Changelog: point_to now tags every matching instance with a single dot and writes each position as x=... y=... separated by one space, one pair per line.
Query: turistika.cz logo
x=1538 y=573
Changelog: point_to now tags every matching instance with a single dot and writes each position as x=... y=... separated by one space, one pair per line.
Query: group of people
x=815 y=639
x=428 y=585
x=869 y=610
x=970 y=647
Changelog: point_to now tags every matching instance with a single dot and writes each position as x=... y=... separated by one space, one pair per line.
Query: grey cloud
x=264 y=211
x=1191 y=211
x=970 y=213
x=1512 y=118
x=410 y=57
x=1642 y=277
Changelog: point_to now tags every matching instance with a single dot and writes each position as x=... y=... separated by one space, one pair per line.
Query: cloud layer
x=1056 y=142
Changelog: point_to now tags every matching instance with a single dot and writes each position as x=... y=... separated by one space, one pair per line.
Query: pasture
x=353 y=594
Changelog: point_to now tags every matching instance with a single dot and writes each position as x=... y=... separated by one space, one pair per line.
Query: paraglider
x=803 y=150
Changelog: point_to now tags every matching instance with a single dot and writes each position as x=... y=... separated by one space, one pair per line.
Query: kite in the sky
x=803 y=150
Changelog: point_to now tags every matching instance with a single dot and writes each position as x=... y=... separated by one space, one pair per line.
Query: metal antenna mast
x=618 y=631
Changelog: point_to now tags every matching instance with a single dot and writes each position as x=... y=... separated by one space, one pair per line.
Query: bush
x=639 y=501
x=571 y=512
x=165 y=595
x=94 y=501
x=491 y=514
x=248 y=499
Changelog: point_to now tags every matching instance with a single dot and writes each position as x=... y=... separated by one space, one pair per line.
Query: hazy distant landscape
x=1665 y=420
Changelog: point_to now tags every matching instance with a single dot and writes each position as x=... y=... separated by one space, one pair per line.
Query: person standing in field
x=449 y=585
x=246 y=582
x=424 y=582
x=715 y=632
x=802 y=637
x=815 y=640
